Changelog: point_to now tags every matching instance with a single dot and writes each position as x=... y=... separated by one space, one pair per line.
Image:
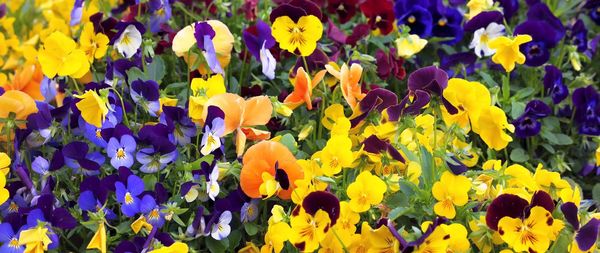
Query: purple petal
x=505 y=205
x=431 y=79
x=482 y=20
x=543 y=199
x=322 y=200
x=588 y=234
x=569 y=209
x=202 y=30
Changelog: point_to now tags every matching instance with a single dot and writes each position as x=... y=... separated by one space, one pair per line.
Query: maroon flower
x=296 y=9
x=380 y=14
x=345 y=9
x=389 y=64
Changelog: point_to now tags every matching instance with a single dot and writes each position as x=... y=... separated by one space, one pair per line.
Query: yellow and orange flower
x=303 y=87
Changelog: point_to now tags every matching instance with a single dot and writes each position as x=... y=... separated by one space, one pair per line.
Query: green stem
x=122 y=106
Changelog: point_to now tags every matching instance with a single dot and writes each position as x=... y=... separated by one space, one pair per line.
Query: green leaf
x=215 y=246
x=235 y=238
x=196 y=164
x=178 y=220
x=251 y=228
x=518 y=155
x=596 y=192
x=325 y=179
x=289 y=141
x=156 y=70
x=427 y=167
x=487 y=78
x=135 y=74
x=563 y=139
x=517 y=108
x=397 y=212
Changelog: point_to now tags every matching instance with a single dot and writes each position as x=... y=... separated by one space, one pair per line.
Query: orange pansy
x=241 y=115
x=261 y=158
x=303 y=87
x=349 y=82
x=28 y=80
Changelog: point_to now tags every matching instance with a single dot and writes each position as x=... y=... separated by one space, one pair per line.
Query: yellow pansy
x=36 y=239
x=530 y=234
x=437 y=241
x=140 y=223
x=477 y=6
x=298 y=37
x=365 y=191
x=469 y=99
x=549 y=181
x=336 y=155
x=492 y=164
x=520 y=177
x=99 y=239
x=61 y=57
x=482 y=236
x=93 y=107
x=408 y=46
x=348 y=218
x=452 y=190
x=490 y=127
x=4 y=163
x=382 y=240
x=507 y=50
x=176 y=247
x=308 y=230
x=332 y=114
x=277 y=234
x=93 y=44
x=202 y=90
x=458 y=238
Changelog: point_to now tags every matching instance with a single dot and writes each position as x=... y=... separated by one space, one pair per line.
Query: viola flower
x=28 y=79
x=76 y=156
x=128 y=196
x=537 y=52
x=507 y=51
x=527 y=234
x=298 y=36
x=349 y=82
x=345 y=9
x=477 y=6
x=93 y=107
x=336 y=154
x=469 y=99
x=93 y=44
x=4 y=194
x=577 y=35
x=309 y=230
x=390 y=64
x=447 y=22
x=204 y=34
x=527 y=125
x=201 y=91
x=416 y=16
x=9 y=239
x=586 y=102
x=585 y=236
x=153 y=160
x=121 y=151
x=241 y=115
x=152 y=213
x=145 y=94
x=176 y=247
x=211 y=139
x=452 y=190
x=366 y=190
x=161 y=13
x=409 y=45
x=553 y=84
x=259 y=40
x=380 y=14
x=128 y=39
x=483 y=36
x=60 y=56
x=490 y=127
x=222 y=41
x=269 y=164
x=221 y=229
x=212 y=184
x=275 y=237
x=35 y=239
x=250 y=211
x=303 y=87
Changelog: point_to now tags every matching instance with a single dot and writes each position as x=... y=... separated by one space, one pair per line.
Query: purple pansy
x=146 y=94
x=204 y=34
x=153 y=161
x=177 y=119
x=121 y=151
x=161 y=13
x=586 y=102
x=554 y=85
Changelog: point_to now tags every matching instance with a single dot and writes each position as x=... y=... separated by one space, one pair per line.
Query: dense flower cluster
x=182 y=126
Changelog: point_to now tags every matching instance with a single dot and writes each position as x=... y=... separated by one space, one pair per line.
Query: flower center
x=442 y=22
x=125 y=40
x=484 y=38
x=128 y=198
x=154 y=214
x=14 y=243
x=13 y=207
x=297 y=37
x=121 y=153
x=98 y=133
x=412 y=19
x=334 y=162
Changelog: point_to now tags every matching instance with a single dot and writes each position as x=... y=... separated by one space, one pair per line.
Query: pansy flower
x=60 y=56
x=153 y=160
x=76 y=156
x=211 y=139
x=298 y=36
x=204 y=34
x=271 y=166
x=241 y=115
x=121 y=151
x=259 y=40
x=221 y=229
x=586 y=102
x=416 y=16
x=128 y=196
x=554 y=85
x=577 y=35
x=93 y=107
x=303 y=86
x=161 y=13
x=585 y=235
x=250 y=211
x=447 y=22
x=345 y=9
x=128 y=38
x=201 y=91
x=483 y=36
x=349 y=78
x=9 y=239
x=469 y=99
x=367 y=190
x=177 y=118
x=93 y=44
x=452 y=190
x=528 y=124
x=508 y=52
x=145 y=94
x=380 y=14
x=389 y=64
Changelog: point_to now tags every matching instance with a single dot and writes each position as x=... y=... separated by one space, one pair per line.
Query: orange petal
x=257 y=111
x=251 y=176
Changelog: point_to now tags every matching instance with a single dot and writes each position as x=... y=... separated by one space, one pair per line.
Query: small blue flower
x=9 y=240
x=128 y=196
x=121 y=151
x=153 y=161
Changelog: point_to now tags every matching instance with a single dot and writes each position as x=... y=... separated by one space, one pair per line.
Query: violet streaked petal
x=588 y=234
x=322 y=200
x=505 y=205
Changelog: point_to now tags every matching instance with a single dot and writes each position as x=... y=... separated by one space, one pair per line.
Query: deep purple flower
x=570 y=210
x=345 y=9
x=594 y=8
x=177 y=119
x=586 y=102
x=414 y=14
x=374 y=145
x=553 y=84
x=459 y=64
x=541 y=12
x=128 y=196
x=296 y=9
x=577 y=35
x=505 y=205
x=482 y=20
x=590 y=168
x=389 y=64
x=586 y=235
x=121 y=151
x=527 y=126
x=376 y=99
x=146 y=94
x=430 y=79
x=455 y=165
x=158 y=136
x=509 y=7
x=257 y=35
x=537 y=51
x=447 y=22
x=76 y=156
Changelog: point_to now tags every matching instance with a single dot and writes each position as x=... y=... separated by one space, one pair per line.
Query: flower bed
x=302 y=125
